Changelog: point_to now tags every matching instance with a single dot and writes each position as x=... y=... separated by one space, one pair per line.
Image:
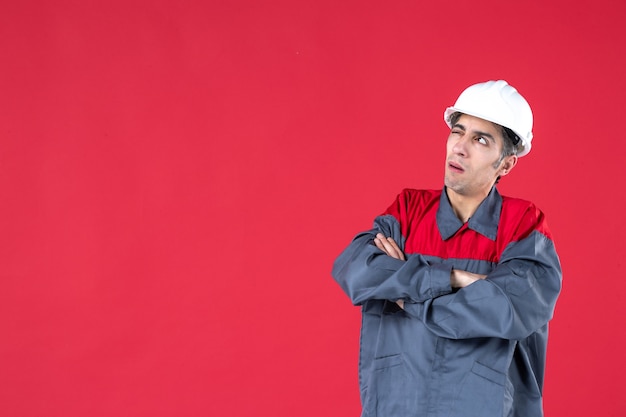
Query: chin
x=454 y=186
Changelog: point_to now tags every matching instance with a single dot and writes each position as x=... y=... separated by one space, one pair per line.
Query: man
x=457 y=286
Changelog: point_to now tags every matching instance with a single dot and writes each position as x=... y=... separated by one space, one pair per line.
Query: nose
x=459 y=146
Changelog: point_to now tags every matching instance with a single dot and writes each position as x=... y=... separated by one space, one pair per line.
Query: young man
x=457 y=285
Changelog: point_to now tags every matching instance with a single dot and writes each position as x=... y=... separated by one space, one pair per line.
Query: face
x=474 y=147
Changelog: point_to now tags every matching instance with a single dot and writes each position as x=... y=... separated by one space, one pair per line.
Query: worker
x=457 y=285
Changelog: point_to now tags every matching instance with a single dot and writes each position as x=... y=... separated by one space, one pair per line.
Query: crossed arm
x=517 y=298
x=458 y=278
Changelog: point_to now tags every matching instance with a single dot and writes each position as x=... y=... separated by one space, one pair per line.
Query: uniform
x=475 y=351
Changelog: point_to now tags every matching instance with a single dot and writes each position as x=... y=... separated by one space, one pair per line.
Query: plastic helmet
x=500 y=103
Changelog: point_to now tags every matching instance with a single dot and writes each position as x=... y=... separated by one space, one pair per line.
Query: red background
x=177 y=177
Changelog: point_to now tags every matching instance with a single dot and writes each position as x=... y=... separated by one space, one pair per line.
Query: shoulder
x=523 y=216
x=413 y=195
x=516 y=204
x=411 y=202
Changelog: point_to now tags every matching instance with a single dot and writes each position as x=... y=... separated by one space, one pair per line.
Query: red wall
x=176 y=178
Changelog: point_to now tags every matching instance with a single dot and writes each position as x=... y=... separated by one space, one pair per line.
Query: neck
x=464 y=206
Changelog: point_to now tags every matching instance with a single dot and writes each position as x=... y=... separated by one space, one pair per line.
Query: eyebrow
x=476 y=132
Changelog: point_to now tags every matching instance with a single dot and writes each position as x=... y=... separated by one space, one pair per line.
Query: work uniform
x=475 y=351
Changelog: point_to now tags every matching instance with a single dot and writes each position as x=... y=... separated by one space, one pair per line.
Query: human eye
x=482 y=140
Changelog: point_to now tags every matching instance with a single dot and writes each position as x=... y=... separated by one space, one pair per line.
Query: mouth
x=455 y=167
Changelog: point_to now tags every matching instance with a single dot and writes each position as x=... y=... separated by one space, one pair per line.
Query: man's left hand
x=389 y=246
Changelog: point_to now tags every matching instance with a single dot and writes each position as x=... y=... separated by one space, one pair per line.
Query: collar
x=484 y=221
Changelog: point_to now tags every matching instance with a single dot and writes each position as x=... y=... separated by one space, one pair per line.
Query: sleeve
x=365 y=272
x=516 y=299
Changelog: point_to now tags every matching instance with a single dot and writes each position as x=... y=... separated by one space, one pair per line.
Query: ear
x=507 y=165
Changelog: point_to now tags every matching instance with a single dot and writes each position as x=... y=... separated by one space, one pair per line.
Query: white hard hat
x=500 y=103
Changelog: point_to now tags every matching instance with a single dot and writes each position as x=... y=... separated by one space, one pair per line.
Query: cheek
x=490 y=158
x=491 y=171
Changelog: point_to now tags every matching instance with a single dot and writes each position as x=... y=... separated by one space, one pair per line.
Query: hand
x=461 y=279
x=389 y=246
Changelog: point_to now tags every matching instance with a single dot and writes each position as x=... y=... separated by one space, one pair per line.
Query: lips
x=455 y=167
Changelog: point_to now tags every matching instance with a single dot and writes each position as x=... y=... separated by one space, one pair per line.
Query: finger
x=379 y=241
x=396 y=248
x=391 y=250
x=389 y=246
x=379 y=244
